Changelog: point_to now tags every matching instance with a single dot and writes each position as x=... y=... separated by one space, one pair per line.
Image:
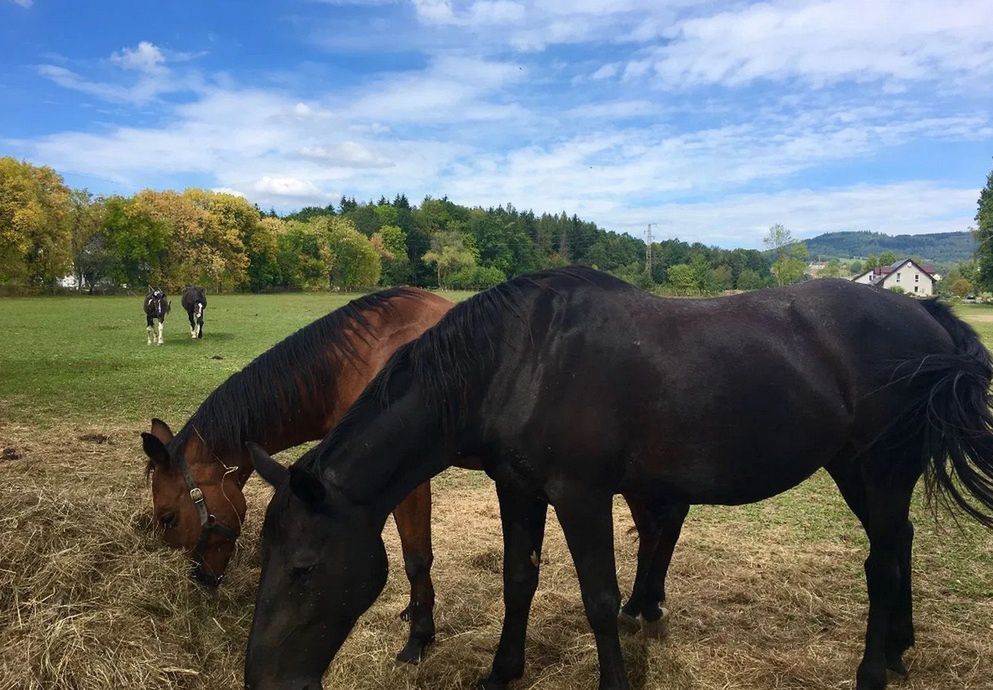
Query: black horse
x=156 y=307
x=573 y=386
x=194 y=302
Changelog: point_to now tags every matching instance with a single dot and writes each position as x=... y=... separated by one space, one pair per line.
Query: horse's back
x=768 y=384
x=193 y=295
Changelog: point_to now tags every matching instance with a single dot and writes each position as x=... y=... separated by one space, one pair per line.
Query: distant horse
x=292 y=393
x=194 y=302
x=572 y=386
x=156 y=308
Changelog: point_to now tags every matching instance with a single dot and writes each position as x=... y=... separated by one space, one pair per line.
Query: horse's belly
x=753 y=453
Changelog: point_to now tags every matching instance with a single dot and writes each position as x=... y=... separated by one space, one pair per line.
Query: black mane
x=450 y=358
x=261 y=398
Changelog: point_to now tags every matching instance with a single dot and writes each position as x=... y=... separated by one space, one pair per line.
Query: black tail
x=959 y=431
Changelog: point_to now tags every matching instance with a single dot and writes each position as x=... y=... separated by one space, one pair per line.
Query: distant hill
x=939 y=247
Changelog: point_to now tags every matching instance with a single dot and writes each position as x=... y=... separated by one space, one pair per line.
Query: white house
x=914 y=278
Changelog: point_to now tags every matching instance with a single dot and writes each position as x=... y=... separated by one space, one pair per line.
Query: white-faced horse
x=156 y=308
x=194 y=302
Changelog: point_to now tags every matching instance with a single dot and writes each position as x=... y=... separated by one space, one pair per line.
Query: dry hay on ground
x=88 y=598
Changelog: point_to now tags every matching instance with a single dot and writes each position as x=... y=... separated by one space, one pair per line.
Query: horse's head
x=323 y=565
x=197 y=499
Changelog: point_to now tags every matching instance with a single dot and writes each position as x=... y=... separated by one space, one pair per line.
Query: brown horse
x=296 y=392
x=293 y=393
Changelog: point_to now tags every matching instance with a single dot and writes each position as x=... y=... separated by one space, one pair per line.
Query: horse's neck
x=377 y=462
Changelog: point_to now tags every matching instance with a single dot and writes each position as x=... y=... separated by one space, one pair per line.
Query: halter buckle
x=196 y=494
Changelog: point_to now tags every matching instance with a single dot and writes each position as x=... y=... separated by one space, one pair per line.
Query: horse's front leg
x=193 y=327
x=522 y=516
x=413 y=518
x=149 y=328
x=588 y=523
x=161 y=327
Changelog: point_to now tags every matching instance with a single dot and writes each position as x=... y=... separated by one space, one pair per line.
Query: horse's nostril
x=208 y=580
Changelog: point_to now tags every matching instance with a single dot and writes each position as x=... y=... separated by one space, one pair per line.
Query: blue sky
x=713 y=120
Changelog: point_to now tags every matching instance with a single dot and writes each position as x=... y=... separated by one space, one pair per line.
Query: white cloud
x=146 y=60
x=145 y=57
x=434 y=11
x=68 y=79
x=450 y=89
x=23 y=3
x=902 y=208
x=616 y=110
x=487 y=131
x=824 y=41
x=606 y=72
x=227 y=190
x=287 y=187
x=347 y=154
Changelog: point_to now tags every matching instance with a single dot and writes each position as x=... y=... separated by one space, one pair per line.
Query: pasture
x=770 y=595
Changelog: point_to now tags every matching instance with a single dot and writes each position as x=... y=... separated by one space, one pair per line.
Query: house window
x=917 y=277
x=898 y=276
x=915 y=288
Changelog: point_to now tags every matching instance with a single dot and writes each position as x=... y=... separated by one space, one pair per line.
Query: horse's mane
x=257 y=401
x=449 y=359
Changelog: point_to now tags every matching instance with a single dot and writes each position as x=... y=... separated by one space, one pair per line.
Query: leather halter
x=208 y=525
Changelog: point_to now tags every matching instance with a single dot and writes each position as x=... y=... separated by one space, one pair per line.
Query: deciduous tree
x=450 y=252
x=35 y=235
x=790 y=256
x=352 y=260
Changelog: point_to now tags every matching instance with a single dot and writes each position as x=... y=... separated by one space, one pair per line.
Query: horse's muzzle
x=205 y=577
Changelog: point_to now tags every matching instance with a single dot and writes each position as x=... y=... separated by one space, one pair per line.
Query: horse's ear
x=307 y=487
x=270 y=470
x=161 y=431
x=155 y=449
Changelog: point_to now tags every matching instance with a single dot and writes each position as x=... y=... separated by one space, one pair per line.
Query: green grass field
x=769 y=595
x=85 y=359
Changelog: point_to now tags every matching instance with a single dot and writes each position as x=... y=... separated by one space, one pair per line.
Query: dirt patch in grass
x=94 y=437
x=978 y=318
x=759 y=599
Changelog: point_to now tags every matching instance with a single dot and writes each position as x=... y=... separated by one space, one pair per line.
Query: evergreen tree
x=984 y=235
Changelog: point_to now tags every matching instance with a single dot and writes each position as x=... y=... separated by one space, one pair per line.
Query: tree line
x=223 y=241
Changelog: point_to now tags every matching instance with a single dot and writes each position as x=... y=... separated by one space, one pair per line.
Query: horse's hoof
x=874 y=679
x=897 y=668
x=628 y=624
x=657 y=629
x=491 y=683
x=413 y=652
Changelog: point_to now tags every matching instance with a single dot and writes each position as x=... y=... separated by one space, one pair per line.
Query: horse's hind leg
x=878 y=490
x=413 y=518
x=522 y=518
x=587 y=521
x=901 y=633
x=658 y=532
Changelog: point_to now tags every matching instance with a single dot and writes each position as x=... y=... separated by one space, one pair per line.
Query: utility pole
x=648 y=249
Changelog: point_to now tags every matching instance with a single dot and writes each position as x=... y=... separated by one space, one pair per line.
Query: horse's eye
x=302 y=570
x=168 y=520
